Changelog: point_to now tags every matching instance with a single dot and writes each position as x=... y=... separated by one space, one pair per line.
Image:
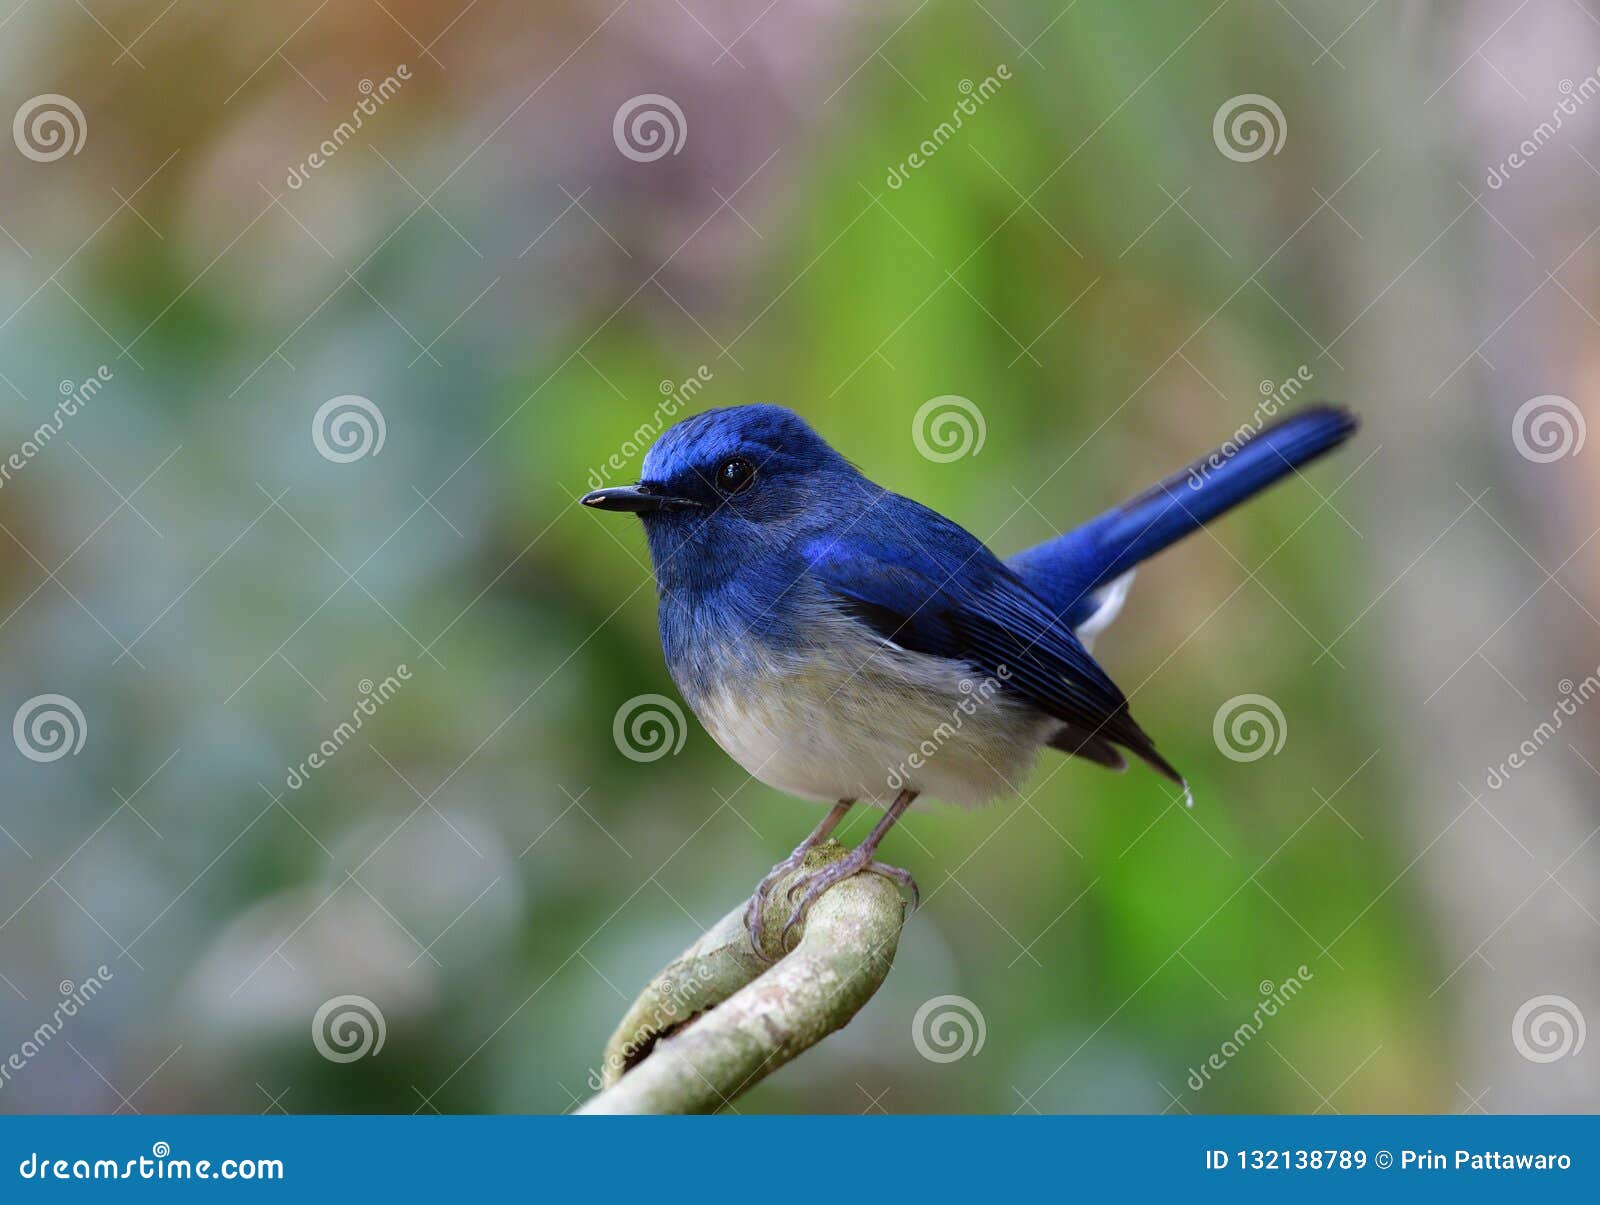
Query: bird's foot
x=758 y=902
x=814 y=884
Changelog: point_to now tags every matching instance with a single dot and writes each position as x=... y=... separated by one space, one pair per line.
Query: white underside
x=867 y=719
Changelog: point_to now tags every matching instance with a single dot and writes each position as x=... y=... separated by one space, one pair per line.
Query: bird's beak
x=639 y=498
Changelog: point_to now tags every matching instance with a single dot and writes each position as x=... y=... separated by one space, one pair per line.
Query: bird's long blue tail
x=1069 y=570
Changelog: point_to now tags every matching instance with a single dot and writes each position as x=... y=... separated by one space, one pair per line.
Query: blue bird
x=845 y=644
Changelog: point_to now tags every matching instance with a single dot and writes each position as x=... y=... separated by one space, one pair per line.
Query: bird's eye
x=735 y=474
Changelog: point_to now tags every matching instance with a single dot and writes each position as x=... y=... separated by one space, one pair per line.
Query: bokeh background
x=1082 y=261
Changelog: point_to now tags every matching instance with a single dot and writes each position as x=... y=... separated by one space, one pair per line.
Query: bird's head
x=726 y=485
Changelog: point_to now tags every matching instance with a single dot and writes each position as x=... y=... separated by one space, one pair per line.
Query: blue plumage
x=834 y=636
x=1070 y=570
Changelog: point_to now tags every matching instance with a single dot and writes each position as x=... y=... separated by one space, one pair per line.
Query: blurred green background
x=511 y=290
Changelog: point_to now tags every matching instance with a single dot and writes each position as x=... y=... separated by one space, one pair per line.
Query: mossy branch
x=717 y=1020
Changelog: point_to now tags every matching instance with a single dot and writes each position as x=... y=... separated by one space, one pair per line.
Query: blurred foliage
x=485 y=819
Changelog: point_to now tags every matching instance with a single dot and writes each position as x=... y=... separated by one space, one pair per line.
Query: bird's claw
x=902 y=877
x=815 y=884
x=758 y=902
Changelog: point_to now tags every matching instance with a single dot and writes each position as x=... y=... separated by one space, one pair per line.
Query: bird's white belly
x=867 y=720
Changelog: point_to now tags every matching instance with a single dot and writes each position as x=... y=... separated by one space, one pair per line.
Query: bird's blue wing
x=929 y=586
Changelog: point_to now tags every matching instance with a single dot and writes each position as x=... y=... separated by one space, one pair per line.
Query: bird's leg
x=758 y=901
x=859 y=859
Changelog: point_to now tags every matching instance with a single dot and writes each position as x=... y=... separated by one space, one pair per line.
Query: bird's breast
x=843 y=714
